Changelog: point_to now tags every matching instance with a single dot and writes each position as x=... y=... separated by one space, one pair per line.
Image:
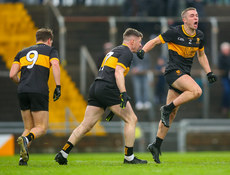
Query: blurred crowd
x=141 y=68
x=224 y=67
x=150 y=7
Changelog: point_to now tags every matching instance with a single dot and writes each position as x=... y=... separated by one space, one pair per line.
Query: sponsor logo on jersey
x=180 y=39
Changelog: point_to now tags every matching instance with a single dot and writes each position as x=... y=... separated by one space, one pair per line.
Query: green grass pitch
x=199 y=163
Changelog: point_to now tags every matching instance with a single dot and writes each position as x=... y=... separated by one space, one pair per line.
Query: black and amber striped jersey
x=120 y=55
x=182 y=48
x=35 y=66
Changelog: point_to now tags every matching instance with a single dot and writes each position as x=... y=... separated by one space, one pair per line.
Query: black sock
x=67 y=147
x=30 y=136
x=170 y=107
x=128 y=151
x=158 y=142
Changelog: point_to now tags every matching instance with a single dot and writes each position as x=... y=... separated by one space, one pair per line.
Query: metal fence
x=146 y=130
x=200 y=126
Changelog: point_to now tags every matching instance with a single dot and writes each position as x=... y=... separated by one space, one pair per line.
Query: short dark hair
x=44 y=34
x=132 y=32
x=185 y=10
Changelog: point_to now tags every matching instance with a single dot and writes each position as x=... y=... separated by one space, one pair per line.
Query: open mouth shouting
x=195 y=24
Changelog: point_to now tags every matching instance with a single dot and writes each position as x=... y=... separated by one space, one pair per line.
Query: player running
x=184 y=41
x=34 y=64
x=108 y=90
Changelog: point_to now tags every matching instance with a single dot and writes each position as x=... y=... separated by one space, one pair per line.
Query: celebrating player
x=108 y=90
x=34 y=64
x=184 y=41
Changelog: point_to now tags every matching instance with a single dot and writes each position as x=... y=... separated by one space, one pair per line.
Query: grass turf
x=200 y=163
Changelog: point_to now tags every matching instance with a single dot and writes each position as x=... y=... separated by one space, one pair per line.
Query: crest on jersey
x=198 y=41
x=178 y=72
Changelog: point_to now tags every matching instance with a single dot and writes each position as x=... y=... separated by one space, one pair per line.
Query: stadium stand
x=93 y=35
x=17 y=31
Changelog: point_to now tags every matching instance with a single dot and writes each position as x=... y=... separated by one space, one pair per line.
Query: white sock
x=129 y=158
x=64 y=154
x=27 y=141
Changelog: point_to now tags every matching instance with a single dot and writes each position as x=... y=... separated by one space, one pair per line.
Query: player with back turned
x=184 y=41
x=108 y=90
x=34 y=63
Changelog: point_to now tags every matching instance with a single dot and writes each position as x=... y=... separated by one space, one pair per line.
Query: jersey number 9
x=32 y=56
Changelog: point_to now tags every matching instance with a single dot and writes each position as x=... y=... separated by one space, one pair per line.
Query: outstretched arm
x=148 y=46
x=151 y=44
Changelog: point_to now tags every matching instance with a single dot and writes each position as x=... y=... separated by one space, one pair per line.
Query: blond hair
x=185 y=11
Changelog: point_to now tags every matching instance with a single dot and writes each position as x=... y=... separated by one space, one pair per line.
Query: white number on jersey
x=32 y=56
x=108 y=55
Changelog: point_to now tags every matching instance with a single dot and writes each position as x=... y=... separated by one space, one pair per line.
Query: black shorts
x=33 y=101
x=103 y=94
x=172 y=76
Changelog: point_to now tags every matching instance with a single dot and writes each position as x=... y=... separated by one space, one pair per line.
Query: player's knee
x=197 y=92
x=132 y=119
x=135 y=120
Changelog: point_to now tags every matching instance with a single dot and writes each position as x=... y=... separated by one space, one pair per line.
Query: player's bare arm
x=151 y=44
x=203 y=60
x=56 y=74
x=14 y=72
x=148 y=46
x=120 y=78
x=56 y=71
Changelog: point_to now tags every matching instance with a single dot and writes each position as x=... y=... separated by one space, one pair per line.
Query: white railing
x=200 y=126
x=85 y=58
x=62 y=29
x=4 y=73
x=181 y=129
